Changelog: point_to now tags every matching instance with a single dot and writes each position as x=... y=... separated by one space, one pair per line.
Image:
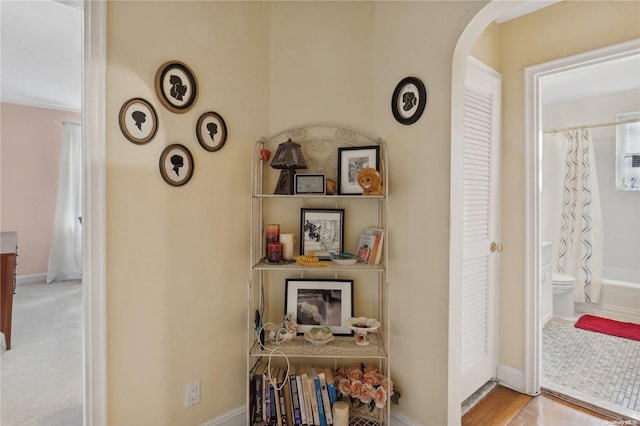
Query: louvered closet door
x=480 y=228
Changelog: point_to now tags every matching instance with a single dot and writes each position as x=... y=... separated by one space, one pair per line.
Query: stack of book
x=301 y=396
x=370 y=246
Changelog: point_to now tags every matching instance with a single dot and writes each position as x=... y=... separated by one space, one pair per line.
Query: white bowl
x=363 y=324
x=344 y=262
x=319 y=336
x=317 y=342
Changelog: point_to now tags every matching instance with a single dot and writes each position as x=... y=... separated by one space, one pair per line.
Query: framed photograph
x=176 y=165
x=138 y=121
x=308 y=183
x=409 y=100
x=320 y=302
x=322 y=231
x=350 y=161
x=211 y=131
x=176 y=86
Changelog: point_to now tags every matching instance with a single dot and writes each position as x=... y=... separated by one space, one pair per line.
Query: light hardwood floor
x=505 y=407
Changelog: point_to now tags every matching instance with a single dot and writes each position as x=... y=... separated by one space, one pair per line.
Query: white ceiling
x=41 y=51
x=614 y=76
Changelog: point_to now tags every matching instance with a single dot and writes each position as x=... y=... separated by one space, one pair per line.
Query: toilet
x=563 y=286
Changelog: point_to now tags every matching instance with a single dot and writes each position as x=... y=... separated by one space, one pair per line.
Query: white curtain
x=579 y=245
x=65 y=256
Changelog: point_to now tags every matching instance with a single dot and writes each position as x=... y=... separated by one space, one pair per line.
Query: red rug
x=628 y=330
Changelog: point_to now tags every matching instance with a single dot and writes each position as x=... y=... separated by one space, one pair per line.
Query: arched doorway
x=461 y=54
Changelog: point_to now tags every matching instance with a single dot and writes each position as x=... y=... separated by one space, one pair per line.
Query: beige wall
x=487 y=47
x=31 y=144
x=565 y=29
x=177 y=257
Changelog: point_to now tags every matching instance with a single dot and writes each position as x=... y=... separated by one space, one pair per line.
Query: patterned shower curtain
x=579 y=250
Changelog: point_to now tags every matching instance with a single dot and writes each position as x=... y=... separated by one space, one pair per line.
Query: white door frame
x=461 y=54
x=533 y=138
x=94 y=212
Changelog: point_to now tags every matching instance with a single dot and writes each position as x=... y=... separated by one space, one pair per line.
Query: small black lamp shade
x=288 y=158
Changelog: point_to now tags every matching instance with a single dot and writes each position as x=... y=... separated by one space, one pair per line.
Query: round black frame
x=422 y=100
x=122 y=118
x=163 y=171
x=165 y=98
x=201 y=137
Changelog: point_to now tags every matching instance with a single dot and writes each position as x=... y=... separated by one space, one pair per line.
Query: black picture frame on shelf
x=176 y=165
x=309 y=183
x=176 y=86
x=350 y=161
x=321 y=231
x=320 y=302
x=409 y=100
x=138 y=121
x=211 y=131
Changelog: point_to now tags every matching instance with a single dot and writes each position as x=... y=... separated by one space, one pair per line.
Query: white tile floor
x=603 y=370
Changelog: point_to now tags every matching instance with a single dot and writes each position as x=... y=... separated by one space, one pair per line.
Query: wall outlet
x=192 y=393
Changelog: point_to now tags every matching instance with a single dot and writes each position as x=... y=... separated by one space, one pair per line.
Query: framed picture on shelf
x=211 y=131
x=309 y=184
x=176 y=86
x=350 y=161
x=320 y=302
x=138 y=121
x=176 y=165
x=322 y=231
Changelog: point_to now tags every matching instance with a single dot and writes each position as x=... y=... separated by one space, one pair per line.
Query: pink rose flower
x=356 y=389
x=387 y=384
x=380 y=396
x=367 y=393
x=344 y=386
x=355 y=374
x=371 y=378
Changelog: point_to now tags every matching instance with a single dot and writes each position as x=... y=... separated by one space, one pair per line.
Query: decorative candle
x=274 y=252
x=273 y=233
x=287 y=246
x=340 y=414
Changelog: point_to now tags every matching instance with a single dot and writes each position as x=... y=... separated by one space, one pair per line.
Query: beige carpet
x=41 y=376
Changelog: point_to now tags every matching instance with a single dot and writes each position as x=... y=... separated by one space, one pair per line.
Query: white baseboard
x=33 y=278
x=399 y=419
x=235 y=417
x=511 y=378
x=238 y=417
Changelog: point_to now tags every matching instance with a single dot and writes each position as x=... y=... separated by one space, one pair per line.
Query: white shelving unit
x=265 y=294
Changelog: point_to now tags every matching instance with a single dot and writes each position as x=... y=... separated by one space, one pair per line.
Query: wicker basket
x=358 y=410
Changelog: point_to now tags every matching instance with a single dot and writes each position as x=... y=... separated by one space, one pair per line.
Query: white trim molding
x=234 y=417
x=238 y=417
x=511 y=378
x=94 y=212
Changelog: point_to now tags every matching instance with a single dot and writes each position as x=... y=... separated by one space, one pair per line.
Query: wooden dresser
x=9 y=246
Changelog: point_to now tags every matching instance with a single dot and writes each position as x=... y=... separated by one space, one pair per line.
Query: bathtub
x=620 y=297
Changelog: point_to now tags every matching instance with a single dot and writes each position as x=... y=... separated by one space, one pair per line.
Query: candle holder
x=362 y=326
